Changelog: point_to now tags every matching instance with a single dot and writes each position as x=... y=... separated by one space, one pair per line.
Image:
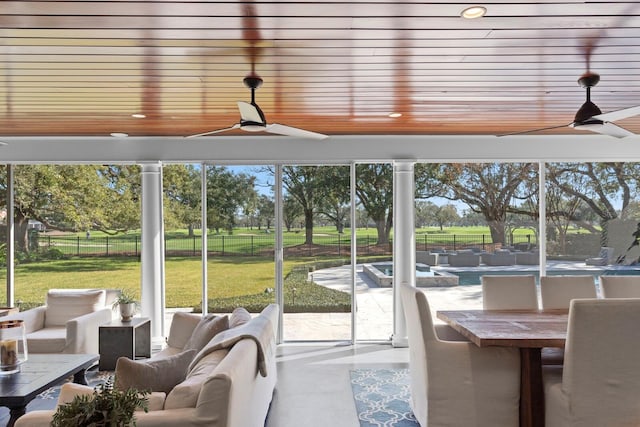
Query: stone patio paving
x=375 y=304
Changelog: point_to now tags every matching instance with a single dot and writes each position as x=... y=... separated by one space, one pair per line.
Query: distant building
x=37 y=225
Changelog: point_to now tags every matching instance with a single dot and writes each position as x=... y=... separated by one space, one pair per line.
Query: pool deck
x=375 y=304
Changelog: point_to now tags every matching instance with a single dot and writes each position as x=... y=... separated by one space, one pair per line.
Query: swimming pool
x=382 y=274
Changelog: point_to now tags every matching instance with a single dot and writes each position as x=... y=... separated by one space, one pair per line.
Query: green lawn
x=232 y=280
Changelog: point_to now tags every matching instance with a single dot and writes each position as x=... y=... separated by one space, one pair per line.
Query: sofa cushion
x=208 y=327
x=161 y=374
x=66 y=305
x=182 y=326
x=48 y=340
x=185 y=394
x=239 y=316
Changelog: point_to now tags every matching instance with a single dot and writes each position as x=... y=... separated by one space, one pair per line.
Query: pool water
x=421 y=270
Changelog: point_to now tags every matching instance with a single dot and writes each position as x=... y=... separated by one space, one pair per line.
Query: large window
x=474 y=219
x=240 y=239
x=593 y=218
x=76 y=226
x=182 y=236
x=316 y=243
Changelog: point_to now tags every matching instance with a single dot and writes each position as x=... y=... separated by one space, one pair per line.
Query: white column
x=404 y=243
x=279 y=250
x=205 y=244
x=152 y=252
x=10 y=237
x=542 y=218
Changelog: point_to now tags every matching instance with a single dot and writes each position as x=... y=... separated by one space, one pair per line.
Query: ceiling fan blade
x=249 y=112
x=612 y=116
x=606 y=128
x=236 y=126
x=291 y=131
x=533 y=130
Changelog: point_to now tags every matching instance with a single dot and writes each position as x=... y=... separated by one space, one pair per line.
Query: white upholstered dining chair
x=516 y=292
x=599 y=384
x=556 y=292
x=509 y=292
x=620 y=286
x=457 y=383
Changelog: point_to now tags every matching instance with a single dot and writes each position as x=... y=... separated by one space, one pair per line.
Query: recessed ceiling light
x=138 y=116
x=394 y=115
x=119 y=134
x=474 y=12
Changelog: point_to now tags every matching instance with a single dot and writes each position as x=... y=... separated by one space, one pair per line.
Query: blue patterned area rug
x=48 y=398
x=382 y=397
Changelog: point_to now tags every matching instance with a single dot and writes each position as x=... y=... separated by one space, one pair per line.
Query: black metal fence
x=263 y=244
x=453 y=242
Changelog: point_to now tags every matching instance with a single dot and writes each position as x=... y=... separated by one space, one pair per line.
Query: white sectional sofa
x=229 y=383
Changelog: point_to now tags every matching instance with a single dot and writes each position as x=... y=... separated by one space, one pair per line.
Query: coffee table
x=36 y=375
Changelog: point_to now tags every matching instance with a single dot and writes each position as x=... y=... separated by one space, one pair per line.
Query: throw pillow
x=206 y=329
x=161 y=374
x=66 y=305
x=238 y=317
x=185 y=394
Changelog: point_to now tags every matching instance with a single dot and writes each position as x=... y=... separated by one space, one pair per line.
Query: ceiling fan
x=252 y=118
x=590 y=117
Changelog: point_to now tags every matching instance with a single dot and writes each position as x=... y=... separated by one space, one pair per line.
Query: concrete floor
x=314 y=388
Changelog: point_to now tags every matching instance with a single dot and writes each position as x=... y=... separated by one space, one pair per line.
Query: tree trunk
x=22 y=234
x=308 y=226
x=383 y=236
x=497 y=231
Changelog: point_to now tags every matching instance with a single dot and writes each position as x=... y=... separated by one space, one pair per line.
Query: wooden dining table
x=528 y=330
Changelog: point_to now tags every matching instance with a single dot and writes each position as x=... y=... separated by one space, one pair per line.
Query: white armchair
x=68 y=323
x=457 y=383
x=599 y=384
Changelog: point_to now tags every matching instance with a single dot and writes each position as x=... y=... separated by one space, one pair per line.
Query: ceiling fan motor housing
x=252 y=81
x=586 y=112
x=589 y=79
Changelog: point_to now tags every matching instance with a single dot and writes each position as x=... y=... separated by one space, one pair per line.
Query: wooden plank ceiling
x=86 y=67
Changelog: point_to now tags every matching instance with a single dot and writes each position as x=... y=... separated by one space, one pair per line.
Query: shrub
x=105 y=407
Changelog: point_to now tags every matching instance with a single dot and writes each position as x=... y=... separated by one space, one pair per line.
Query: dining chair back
x=556 y=292
x=600 y=382
x=457 y=383
x=620 y=286
x=512 y=292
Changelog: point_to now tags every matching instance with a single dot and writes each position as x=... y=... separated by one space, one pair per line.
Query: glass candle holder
x=13 y=346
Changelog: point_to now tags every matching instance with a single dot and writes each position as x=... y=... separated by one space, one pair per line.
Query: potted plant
x=105 y=407
x=127 y=304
